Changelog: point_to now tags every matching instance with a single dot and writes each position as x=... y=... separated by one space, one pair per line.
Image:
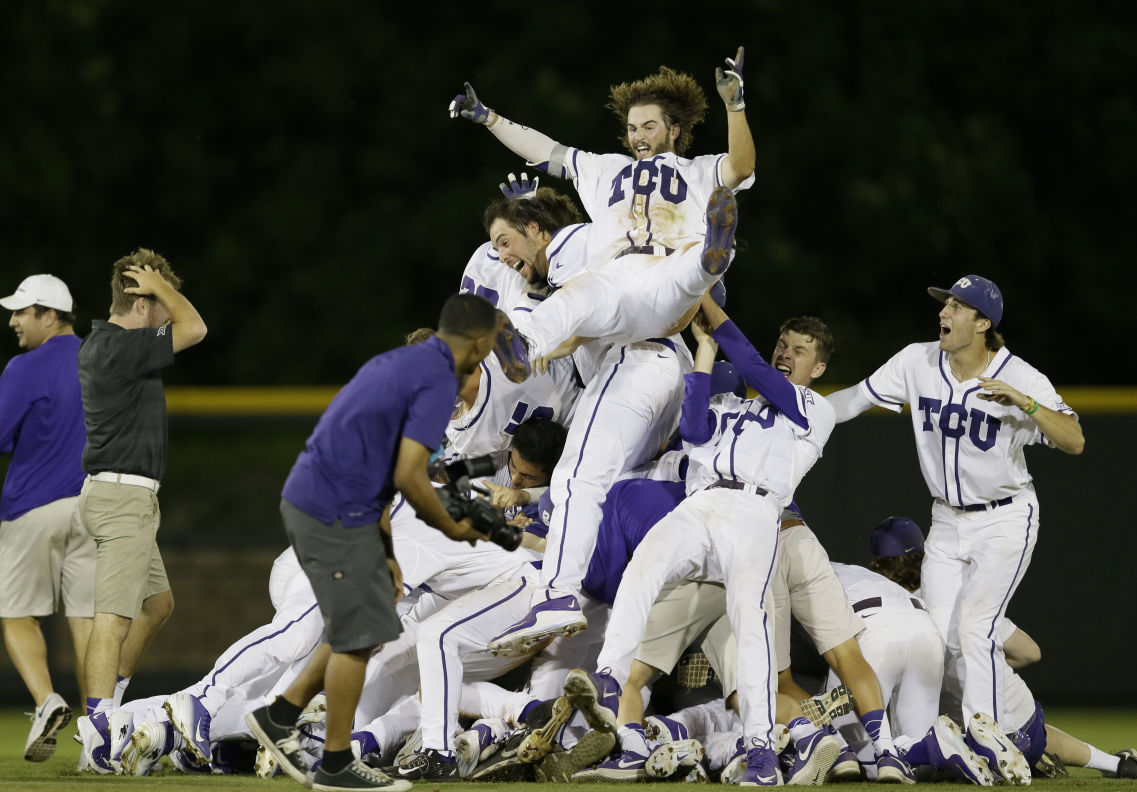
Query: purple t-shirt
x=41 y=424
x=346 y=470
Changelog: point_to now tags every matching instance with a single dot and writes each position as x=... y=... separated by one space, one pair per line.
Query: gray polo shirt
x=124 y=404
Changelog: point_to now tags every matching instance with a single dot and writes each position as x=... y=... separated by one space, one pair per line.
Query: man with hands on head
x=374 y=439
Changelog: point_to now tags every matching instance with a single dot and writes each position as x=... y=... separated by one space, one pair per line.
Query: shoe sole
x=274 y=751
x=43 y=747
x=669 y=758
x=396 y=785
x=820 y=762
x=821 y=710
x=890 y=775
x=539 y=742
x=134 y=753
x=516 y=370
x=722 y=222
x=511 y=769
x=185 y=730
x=1011 y=764
x=959 y=755
x=516 y=645
x=583 y=695
x=560 y=767
x=845 y=772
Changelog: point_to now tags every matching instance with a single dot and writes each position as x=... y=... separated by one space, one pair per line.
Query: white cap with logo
x=46 y=290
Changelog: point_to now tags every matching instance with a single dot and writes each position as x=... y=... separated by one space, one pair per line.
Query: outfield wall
x=231 y=449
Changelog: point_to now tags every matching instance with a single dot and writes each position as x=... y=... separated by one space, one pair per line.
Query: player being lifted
x=645 y=208
x=652 y=210
x=975 y=406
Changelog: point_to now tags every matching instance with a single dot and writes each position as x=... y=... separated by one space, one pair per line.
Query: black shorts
x=347 y=568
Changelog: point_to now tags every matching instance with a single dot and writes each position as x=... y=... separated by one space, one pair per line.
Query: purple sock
x=871 y=721
x=93 y=704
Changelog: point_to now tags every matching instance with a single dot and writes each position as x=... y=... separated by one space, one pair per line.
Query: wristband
x=736 y=108
x=1032 y=409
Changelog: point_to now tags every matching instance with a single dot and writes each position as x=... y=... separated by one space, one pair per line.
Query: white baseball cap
x=46 y=290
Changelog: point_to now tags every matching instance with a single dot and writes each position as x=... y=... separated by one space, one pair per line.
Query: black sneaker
x=1127 y=767
x=358 y=776
x=428 y=765
x=281 y=742
x=506 y=765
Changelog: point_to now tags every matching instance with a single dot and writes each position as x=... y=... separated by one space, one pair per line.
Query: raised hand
x=467 y=105
x=729 y=82
x=515 y=188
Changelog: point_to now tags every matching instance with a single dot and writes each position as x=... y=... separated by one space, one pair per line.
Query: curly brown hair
x=677 y=94
x=903 y=570
x=549 y=209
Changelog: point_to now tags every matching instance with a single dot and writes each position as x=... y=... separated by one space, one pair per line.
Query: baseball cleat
x=265 y=765
x=428 y=765
x=47 y=721
x=823 y=708
x=505 y=764
x=1127 y=766
x=511 y=351
x=846 y=768
x=148 y=744
x=559 y=767
x=595 y=696
x=539 y=742
x=761 y=768
x=191 y=720
x=1049 y=765
x=987 y=740
x=722 y=223
x=674 y=757
x=948 y=750
x=120 y=725
x=660 y=729
x=625 y=767
x=891 y=769
x=478 y=743
x=560 y=616
x=814 y=757
x=96 y=753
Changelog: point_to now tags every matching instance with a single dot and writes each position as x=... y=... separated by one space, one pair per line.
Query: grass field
x=1109 y=730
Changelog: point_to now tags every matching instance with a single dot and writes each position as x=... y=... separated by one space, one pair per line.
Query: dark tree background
x=295 y=162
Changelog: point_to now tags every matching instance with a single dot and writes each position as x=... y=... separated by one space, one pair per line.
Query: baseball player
x=974 y=406
x=746 y=460
x=47 y=558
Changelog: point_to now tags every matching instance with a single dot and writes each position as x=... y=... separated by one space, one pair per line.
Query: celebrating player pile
x=655 y=489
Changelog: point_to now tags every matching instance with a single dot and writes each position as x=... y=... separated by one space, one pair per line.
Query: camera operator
x=375 y=437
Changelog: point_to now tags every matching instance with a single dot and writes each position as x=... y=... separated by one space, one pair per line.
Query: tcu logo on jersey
x=954 y=421
x=648 y=178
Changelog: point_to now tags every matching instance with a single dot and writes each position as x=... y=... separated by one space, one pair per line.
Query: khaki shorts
x=124 y=520
x=47 y=559
x=806 y=586
x=687 y=613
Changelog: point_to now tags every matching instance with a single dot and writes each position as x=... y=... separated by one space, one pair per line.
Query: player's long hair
x=902 y=570
x=677 y=94
x=121 y=302
x=549 y=209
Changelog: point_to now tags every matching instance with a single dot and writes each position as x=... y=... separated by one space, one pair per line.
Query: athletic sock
x=631 y=738
x=334 y=761
x=876 y=724
x=1100 y=760
x=285 y=713
x=120 y=690
x=801 y=728
x=98 y=705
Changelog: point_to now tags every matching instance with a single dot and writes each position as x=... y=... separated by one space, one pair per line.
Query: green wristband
x=1033 y=407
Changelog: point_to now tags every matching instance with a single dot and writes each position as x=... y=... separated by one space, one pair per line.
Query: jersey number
x=764 y=418
x=981 y=429
x=519 y=416
x=468 y=286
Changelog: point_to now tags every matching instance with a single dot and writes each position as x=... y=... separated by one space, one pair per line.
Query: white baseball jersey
x=502 y=405
x=486 y=276
x=756 y=444
x=971 y=451
x=656 y=201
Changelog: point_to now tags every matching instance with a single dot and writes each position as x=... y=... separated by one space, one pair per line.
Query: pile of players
x=657 y=502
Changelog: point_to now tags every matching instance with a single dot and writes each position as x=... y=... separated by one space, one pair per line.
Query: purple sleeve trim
x=877 y=396
x=696 y=423
x=759 y=374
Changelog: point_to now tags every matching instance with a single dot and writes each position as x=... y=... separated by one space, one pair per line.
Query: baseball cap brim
x=941 y=294
x=17 y=302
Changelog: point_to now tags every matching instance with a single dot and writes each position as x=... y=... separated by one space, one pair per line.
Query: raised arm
x=186 y=325
x=538 y=149
x=696 y=422
x=741 y=156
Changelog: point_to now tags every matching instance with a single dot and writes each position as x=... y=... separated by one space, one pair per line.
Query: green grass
x=1108 y=730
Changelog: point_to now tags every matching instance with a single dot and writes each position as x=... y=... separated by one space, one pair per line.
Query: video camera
x=459 y=497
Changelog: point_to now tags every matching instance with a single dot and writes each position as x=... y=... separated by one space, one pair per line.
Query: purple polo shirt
x=41 y=424
x=346 y=470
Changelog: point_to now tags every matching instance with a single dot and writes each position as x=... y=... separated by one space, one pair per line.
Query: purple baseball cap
x=724 y=379
x=545 y=506
x=978 y=292
x=896 y=536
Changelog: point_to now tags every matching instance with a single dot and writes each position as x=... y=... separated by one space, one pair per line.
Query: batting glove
x=517 y=189
x=728 y=82
x=468 y=106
